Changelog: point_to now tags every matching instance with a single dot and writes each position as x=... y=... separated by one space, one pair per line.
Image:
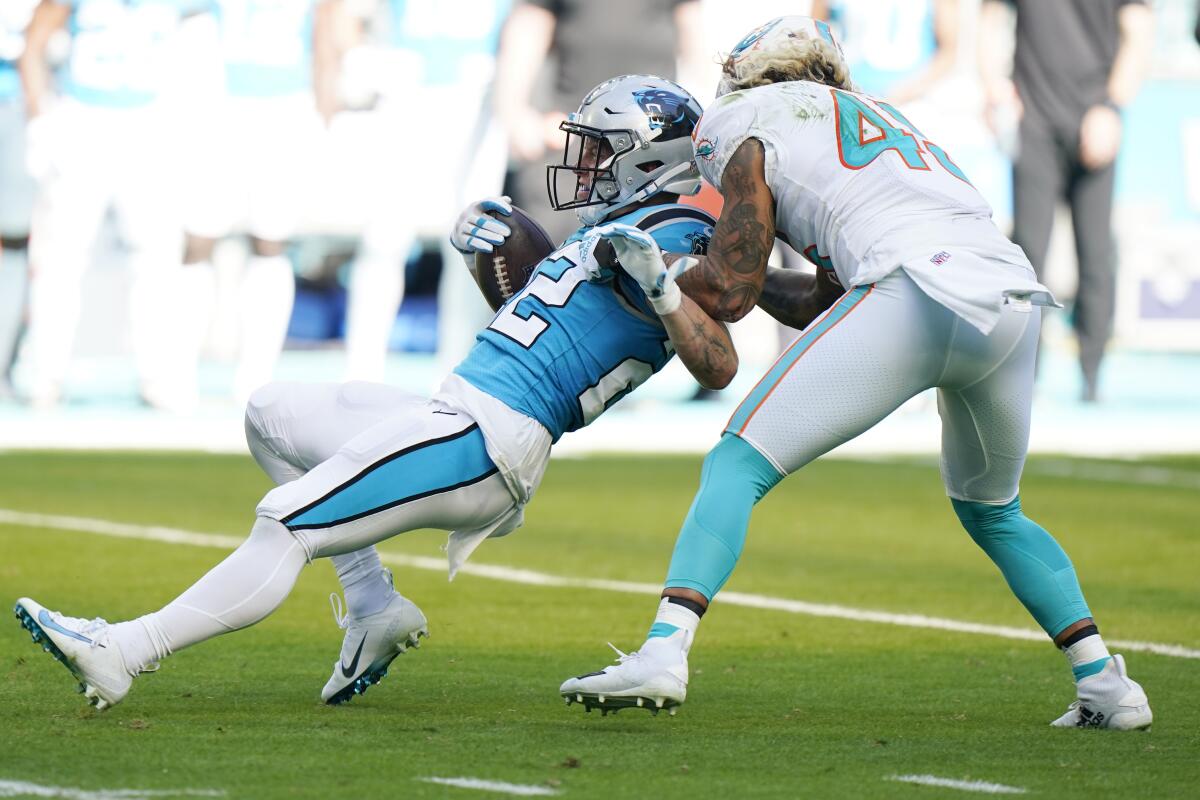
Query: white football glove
x=477 y=232
x=642 y=259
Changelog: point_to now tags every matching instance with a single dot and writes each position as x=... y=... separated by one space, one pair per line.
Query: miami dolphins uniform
x=937 y=296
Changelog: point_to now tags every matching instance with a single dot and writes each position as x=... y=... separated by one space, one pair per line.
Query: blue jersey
x=455 y=41
x=120 y=49
x=267 y=46
x=563 y=350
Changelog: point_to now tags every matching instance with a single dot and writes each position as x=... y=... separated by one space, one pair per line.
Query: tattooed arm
x=703 y=344
x=796 y=298
x=728 y=281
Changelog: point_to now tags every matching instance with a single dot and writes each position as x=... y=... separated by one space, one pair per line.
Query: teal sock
x=735 y=477
x=1035 y=566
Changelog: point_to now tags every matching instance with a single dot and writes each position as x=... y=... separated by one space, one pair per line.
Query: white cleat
x=1109 y=699
x=84 y=647
x=655 y=678
x=371 y=644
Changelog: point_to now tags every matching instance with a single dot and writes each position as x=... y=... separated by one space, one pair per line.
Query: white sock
x=1087 y=656
x=240 y=591
x=264 y=307
x=673 y=617
x=364 y=581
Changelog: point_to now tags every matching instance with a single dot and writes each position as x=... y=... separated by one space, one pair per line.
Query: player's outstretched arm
x=728 y=282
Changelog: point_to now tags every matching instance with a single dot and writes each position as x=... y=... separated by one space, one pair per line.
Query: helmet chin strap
x=649 y=190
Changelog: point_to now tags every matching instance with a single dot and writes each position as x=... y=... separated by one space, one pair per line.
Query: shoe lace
x=87 y=627
x=622 y=657
x=340 y=615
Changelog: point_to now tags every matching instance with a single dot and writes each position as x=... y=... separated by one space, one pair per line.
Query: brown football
x=505 y=271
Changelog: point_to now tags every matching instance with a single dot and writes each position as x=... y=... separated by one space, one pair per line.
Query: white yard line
x=25 y=789
x=1131 y=473
x=519 y=789
x=966 y=786
x=156 y=533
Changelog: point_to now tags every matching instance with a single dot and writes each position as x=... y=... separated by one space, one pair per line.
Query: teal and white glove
x=477 y=232
x=642 y=260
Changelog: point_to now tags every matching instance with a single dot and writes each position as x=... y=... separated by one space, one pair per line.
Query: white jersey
x=860 y=191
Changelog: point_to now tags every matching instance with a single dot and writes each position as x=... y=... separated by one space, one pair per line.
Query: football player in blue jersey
x=358 y=463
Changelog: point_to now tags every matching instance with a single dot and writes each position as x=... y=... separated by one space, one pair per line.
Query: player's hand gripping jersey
x=860 y=191
x=568 y=346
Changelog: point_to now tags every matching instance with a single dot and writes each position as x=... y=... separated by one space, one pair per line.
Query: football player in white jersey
x=934 y=296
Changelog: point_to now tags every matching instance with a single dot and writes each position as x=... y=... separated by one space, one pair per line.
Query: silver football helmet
x=629 y=140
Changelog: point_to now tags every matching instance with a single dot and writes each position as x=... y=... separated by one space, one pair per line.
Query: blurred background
x=200 y=196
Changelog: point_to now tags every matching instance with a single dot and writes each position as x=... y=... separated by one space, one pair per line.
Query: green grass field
x=779 y=704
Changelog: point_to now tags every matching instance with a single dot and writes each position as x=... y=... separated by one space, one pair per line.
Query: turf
x=779 y=705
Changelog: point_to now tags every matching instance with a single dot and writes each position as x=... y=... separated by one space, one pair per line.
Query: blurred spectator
x=1075 y=67
x=435 y=61
x=896 y=49
x=102 y=143
x=588 y=42
x=248 y=171
x=16 y=187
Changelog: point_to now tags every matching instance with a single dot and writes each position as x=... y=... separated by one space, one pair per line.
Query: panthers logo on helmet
x=699 y=240
x=667 y=111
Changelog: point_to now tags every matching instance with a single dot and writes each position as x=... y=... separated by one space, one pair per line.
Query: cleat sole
x=609 y=703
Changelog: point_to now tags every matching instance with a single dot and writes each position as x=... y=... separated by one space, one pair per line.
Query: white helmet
x=768 y=36
x=629 y=140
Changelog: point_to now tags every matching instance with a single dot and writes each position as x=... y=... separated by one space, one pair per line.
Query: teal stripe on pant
x=1037 y=570
x=424 y=469
x=735 y=477
x=759 y=393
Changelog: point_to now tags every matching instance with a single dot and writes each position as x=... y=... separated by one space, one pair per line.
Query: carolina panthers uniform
x=564 y=349
x=554 y=358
